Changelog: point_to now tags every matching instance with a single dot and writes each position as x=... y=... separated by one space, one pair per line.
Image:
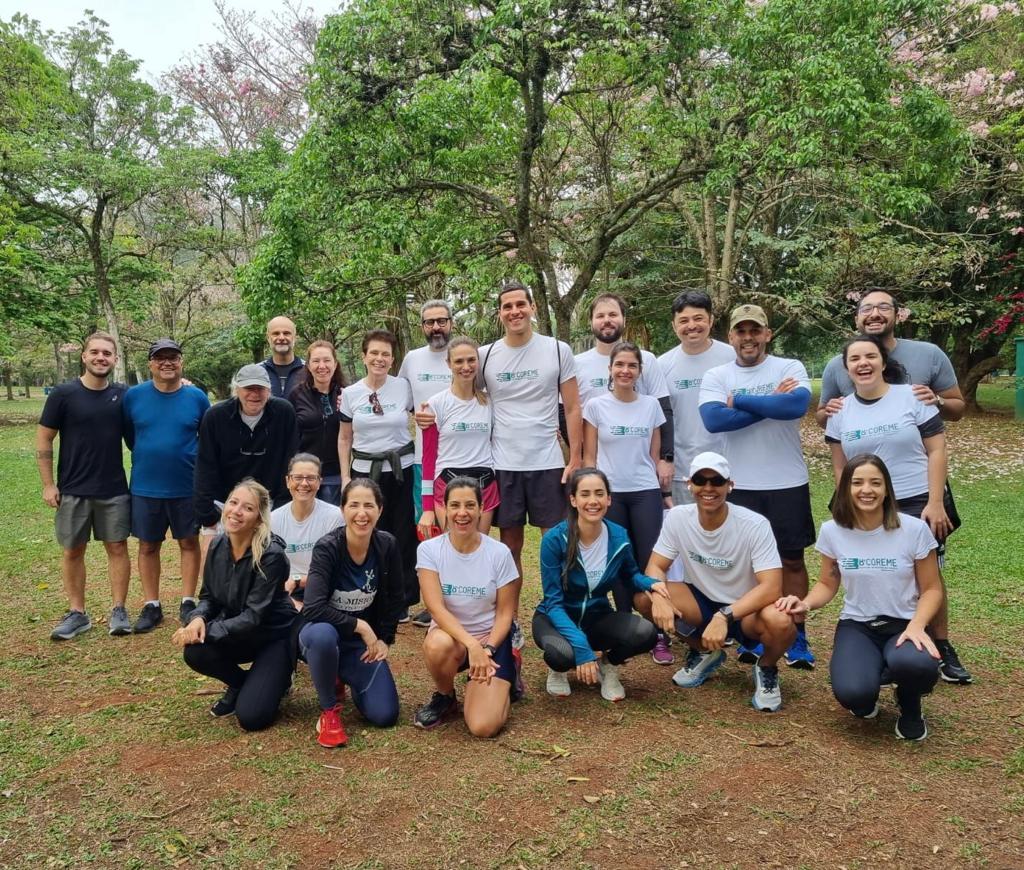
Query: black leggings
x=398 y=516
x=640 y=514
x=618 y=635
x=262 y=687
x=859 y=656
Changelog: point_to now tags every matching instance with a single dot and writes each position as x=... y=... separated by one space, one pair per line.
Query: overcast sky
x=157 y=32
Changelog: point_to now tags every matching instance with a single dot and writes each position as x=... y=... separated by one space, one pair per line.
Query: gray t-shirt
x=925 y=364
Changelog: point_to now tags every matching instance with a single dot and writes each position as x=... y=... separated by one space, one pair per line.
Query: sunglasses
x=701 y=480
x=375 y=405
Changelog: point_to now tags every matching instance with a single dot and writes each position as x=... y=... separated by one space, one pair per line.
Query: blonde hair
x=459 y=341
x=261 y=534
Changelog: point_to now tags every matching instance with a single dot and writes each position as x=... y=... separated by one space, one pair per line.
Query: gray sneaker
x=118 y=625
x=767 y=695
x=73 y=623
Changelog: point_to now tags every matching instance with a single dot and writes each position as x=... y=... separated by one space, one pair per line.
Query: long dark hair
x=843 y=511
x=573 y=520
x=892 y=371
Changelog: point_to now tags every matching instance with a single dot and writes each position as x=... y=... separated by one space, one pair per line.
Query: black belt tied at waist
x=392 y=457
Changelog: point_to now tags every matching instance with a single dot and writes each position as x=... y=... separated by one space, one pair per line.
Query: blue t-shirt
x=162 y=431
x=355 y=586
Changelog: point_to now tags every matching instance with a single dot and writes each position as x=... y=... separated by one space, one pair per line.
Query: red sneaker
x=329 y=730
x=339 y=690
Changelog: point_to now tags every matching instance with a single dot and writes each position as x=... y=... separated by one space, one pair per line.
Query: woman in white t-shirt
x=621 y=437
x=374 y=442
x=883 y=417
x=458 y=443
x=887 y=564
x=303 y=521
x=467 y=580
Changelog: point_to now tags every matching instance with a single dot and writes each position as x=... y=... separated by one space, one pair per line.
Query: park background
x=343 y=169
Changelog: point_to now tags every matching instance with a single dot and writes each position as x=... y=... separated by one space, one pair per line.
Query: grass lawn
x=110 y=758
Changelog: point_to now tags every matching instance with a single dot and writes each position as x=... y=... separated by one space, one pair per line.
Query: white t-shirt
x=722 y=563
x=877 y=567
x=624 y=432
x=889 y=429
x=377 y=433
x=470 y=582
x=683 y=374
x=301 y=537
x=427 y=372
x=523 y=384
x=595 y=557
x=592 y=375
x=767 y=454
x=463 y=432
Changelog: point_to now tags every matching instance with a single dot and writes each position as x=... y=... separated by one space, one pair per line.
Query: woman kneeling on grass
x=466 y=582
x=887 y=565
x=244 y=613
x=582 y=559
x=354 y=597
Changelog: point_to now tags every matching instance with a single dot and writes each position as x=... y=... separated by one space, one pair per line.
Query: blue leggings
x=329 y=657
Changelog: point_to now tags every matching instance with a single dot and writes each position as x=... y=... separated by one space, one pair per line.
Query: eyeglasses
x=304 y=478
x=437 y=321
x=880 y=307
x=375 y=404
x=701 y=480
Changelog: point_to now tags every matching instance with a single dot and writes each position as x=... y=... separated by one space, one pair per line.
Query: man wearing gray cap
x=732 y=575
x=161 y=428
x=252 y=434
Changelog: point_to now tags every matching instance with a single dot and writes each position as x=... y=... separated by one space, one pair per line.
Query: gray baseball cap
x=252 y=375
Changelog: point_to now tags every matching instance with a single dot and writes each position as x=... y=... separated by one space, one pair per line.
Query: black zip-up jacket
x=318 y=434
x=295 y=371
x=327 y=565
x=230 y=451
x=237 y=601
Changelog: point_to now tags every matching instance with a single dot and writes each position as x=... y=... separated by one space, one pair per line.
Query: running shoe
x=518 y=690
x=767 y=696
x=518 y=641
x=330 y=733
x=662 y=652
x=225 y=705
x=185 y=611
x=699 y=666
x=799 y=654
x=435 y=711
x=558 y=684
x=73 y=623
x=611 y=685
x=870 y=715
x=403 y=617
x=152 y=615
x=422 y=619
x=118 y=624
x=910 y=725
x=749 y=654
x=950 y=669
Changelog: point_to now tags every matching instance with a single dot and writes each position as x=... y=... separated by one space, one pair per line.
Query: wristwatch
x=727 y=613
x=669 y=457
x=940 y=401
x=490 y=648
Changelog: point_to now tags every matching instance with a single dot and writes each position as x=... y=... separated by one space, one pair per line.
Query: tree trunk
x=99 y=269
x=970 y=381
x=59 y=360
x=8 y=382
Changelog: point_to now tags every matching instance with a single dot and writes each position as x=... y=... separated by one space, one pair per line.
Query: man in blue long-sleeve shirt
x=757 y=402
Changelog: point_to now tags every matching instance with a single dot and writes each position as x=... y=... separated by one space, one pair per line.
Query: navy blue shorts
x=152 y=517
x=708 y=609
x=502 y=658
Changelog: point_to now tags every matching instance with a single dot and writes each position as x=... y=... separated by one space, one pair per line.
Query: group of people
x=678 y=486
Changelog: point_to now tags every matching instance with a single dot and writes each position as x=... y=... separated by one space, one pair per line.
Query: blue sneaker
x=799 y=655
x=749 y=655
x=699 y=666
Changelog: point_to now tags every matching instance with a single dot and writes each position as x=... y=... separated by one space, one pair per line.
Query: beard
x=608 y=337
x=437 y=340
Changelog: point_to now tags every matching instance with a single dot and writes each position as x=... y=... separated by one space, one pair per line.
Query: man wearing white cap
x=757 y=402
x=732 y=573
x=252 y=434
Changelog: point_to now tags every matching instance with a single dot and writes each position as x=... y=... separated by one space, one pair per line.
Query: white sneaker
x=611 y=685
x=767 y=695
x=558 y=684
x=699 y=666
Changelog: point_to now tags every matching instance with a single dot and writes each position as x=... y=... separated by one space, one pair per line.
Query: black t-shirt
x=89 y=461
x=282 y=375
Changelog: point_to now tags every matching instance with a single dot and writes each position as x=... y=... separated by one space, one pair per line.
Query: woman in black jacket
x=316 y=400
x=244 y=614
x=353 y=600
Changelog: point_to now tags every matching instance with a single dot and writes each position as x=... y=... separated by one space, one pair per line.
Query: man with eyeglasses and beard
x=933 y=380
x=252 y=434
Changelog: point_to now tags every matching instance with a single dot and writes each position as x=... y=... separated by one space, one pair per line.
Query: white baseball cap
x=713 y=461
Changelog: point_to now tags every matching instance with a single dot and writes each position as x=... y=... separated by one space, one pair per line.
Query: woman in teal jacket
x=581 y=559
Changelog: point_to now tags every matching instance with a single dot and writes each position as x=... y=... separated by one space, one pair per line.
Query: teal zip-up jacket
x=566 y=608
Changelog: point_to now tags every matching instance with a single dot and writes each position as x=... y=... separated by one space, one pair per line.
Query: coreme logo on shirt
x=857 y=434
x=629 y=430
x=524 y=375
x=876 y=563
x=758 y=390
x=467 y=591
x=598 y=382
x=368 y=409
x=470 y=426
x=687 y=383
x=710 y=561
x=299 y=547
x=427 y=377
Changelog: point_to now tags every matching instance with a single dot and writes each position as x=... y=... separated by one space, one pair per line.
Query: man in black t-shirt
x=91 y=492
